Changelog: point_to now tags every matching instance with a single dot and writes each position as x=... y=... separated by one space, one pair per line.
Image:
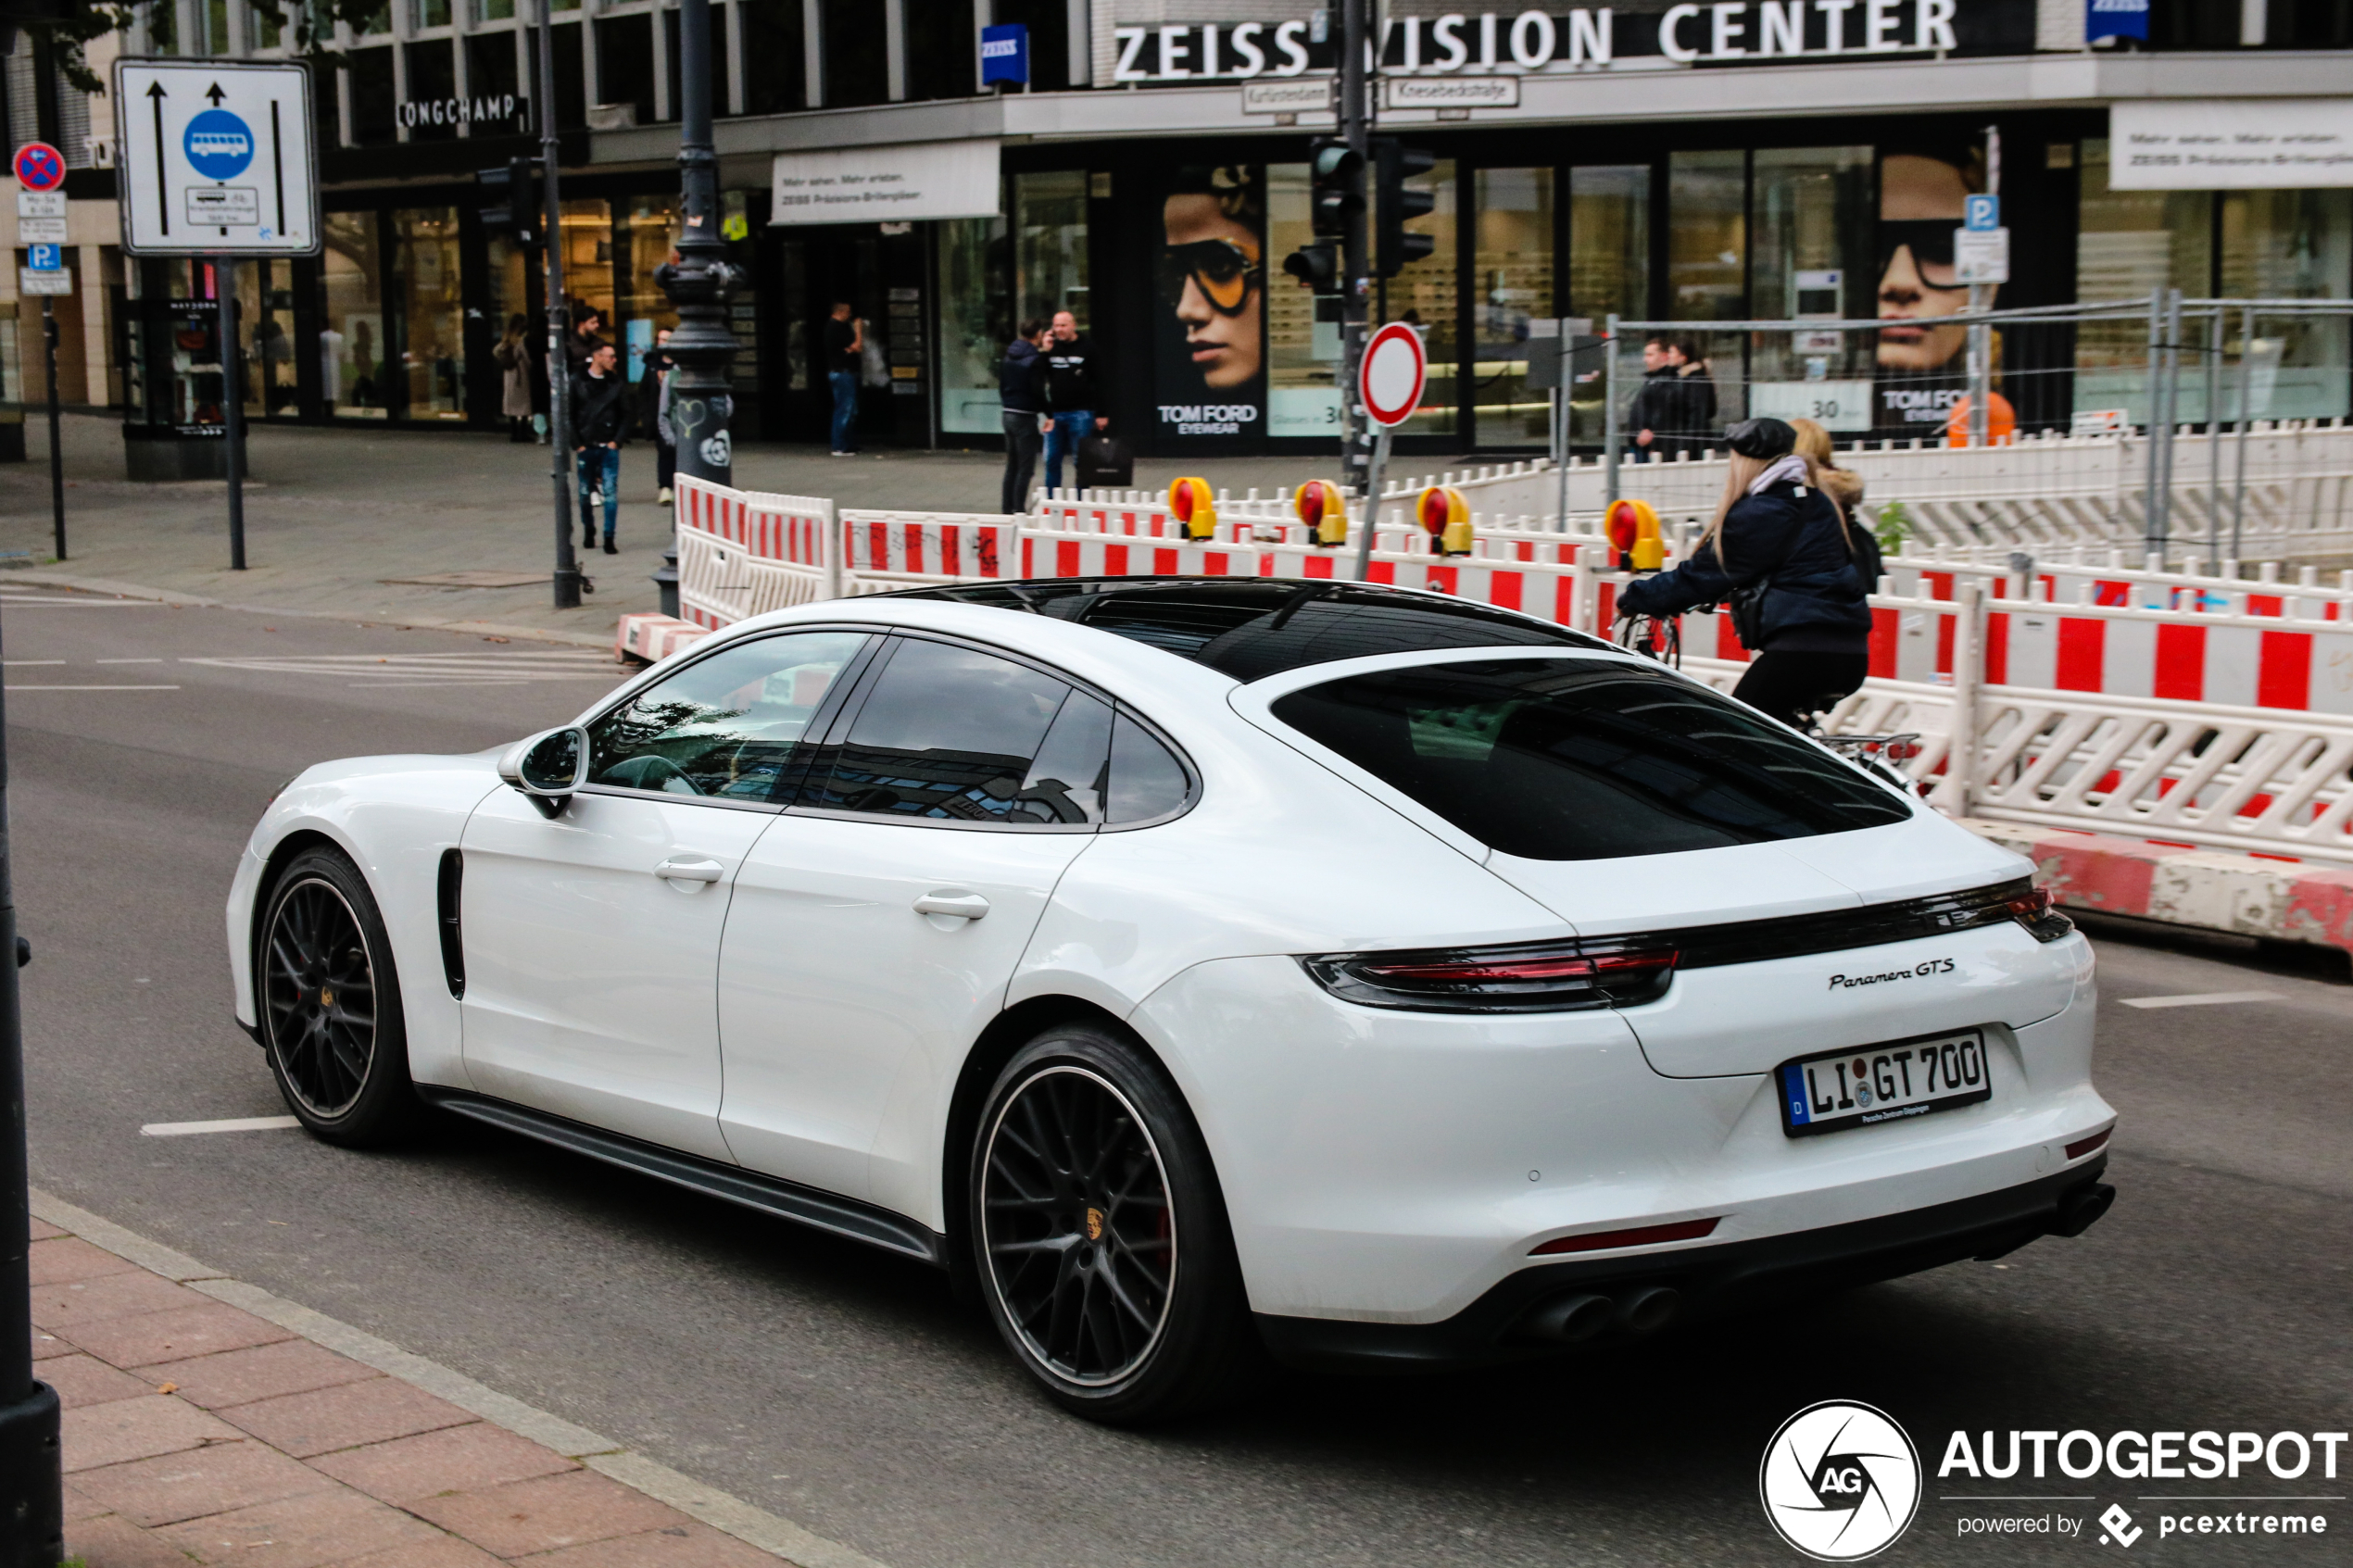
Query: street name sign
x=215 y=158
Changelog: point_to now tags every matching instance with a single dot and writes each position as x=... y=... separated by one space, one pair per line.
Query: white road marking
x=126 y=661
x=83 y=604
x=434 y=669
x=2211 y=998
x=380 y=686
x=12 y=663
x=234 y=1124
x=16 y=688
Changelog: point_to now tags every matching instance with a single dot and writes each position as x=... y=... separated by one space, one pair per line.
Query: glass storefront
x=1609 y=270
x=266 y=338
x=2287 y=244
x=1426 y=294
x=1811 y=214
x=351 y=311
x=1302 y=354
x=1512 y=266
x=974 y=325
x=1049 y=246
x=653 y=229
x=432 y=312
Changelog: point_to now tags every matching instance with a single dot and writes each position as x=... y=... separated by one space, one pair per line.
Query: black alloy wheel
x=1100 y=1235
x=330 y=1003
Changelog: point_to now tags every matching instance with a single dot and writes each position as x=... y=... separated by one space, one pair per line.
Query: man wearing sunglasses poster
x=1212 y=279
x=1922 y=363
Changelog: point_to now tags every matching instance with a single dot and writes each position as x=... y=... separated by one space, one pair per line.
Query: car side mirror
x=549 y=767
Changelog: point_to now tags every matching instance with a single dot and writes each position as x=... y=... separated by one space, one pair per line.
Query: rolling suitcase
x=1105 y=463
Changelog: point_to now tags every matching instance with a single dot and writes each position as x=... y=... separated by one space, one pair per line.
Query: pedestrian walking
x=512 y=355
x=1675 y=409
x=845 y=356
x=587 y=329
x=601 y=410
x=1021 y=387
x=658 y=364
x=1071 y=395
x=1782 y=554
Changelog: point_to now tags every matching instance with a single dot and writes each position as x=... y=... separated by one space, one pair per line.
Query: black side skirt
x=786 y=1200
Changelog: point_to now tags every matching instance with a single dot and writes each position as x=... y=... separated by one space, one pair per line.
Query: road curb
x=166 y=596
x=753 y=1526
x=2247 y=895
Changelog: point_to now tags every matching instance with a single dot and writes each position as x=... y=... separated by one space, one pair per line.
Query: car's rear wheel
x=1100 y=1235
x=330 y=1004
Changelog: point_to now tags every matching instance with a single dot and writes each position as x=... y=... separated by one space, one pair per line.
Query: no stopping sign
x=1389 y=383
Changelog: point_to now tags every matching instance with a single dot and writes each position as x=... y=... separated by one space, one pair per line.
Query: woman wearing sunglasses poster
x=1212 y=279
x=1922 y=363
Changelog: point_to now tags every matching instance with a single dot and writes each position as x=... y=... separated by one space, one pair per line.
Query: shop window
x=718 y=62
x=2309 y=24
x=1049 y=256
x=432 y=316
x=2284 y=245
x=1049 y=24
x=1609 y=268
x=653 y=226
x=975 y=323
x=1707 y=266
x=351 y=317
x=572 y=81
x=626 y=64
x=1512 y=268
x=2127 y=243
x=792 y=303
x=265 y=333
x=1425 y=294
x=1811 y=214
x=433 y=80
x=776 y=69
x=1303 y=355
x=511 y=270
x=588 y=236
x=2194 y=24
x=373 y=109
x=856 y=52
x=943 y=49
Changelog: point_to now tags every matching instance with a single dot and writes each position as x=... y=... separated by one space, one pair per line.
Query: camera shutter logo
x=1840 y=1481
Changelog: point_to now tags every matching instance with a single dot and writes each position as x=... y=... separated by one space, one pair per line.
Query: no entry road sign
x=214 y=159
x=1394 y=369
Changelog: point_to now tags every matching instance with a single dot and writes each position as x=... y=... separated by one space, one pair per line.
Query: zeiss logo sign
x=1004 y=54
x=2116 y=19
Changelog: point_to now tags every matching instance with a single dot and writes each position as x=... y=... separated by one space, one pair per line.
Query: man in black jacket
x=1021 y=387
x=1072 y=394
x=600 y=414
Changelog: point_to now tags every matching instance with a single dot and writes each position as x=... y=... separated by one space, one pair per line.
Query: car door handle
x=683 y=867
x=964 y=905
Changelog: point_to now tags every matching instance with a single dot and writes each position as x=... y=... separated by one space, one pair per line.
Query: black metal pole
x=233 y=406
x=700 y=282
x=1355 y=269
x=57 y=440
x=567 y=579
x=33 y=1508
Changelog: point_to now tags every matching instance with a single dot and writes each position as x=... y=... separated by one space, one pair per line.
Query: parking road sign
x=214 y=159
x=45 y=258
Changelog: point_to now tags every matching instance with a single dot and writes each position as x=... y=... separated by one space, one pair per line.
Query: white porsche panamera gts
x=1204 y=966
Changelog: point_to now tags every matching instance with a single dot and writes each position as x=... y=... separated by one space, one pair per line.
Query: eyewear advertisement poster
x=1209 y=349
x=1922 y=360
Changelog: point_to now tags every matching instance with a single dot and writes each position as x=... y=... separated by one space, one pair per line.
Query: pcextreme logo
x=1840 y=1481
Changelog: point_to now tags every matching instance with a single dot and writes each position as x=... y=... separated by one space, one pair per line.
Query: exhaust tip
x=2082 y=1209
x=1649 y=1309
x=1569 y=1320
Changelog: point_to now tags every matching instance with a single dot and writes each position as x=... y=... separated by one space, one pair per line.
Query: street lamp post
x=699 y=281
x=1355 y=267
x=33 y=1531
x=567 y=578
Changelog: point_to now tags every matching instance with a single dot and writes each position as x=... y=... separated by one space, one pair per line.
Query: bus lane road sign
x=215 y=158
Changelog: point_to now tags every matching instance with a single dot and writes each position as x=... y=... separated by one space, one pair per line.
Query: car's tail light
x=2035 y=909
x=1641 y=1235
x=2083 y=1146
x=1521 y=977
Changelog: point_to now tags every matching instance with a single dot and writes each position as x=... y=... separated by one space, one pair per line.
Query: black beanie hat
x=1766 y=438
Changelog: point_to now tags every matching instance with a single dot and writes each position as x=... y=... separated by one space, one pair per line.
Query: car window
x=1585 y=759
x=728 y=726
x=1146 y=779
x=952 y=734
x=1067 y=783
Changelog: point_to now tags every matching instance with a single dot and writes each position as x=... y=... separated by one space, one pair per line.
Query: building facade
x=1686 y=164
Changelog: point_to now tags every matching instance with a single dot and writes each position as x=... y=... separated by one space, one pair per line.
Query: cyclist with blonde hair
x=1780 y=556
x=1842 y=485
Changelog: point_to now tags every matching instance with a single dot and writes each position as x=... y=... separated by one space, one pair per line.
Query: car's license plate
x=1884 y=1082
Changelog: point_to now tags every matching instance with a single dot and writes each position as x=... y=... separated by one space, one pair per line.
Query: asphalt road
x=846 y=1390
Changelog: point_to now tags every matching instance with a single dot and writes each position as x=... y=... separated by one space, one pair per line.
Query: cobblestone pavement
x=336 y=517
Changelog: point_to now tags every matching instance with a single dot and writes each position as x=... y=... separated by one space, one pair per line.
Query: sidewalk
x=199 y=1427
x=336 y=517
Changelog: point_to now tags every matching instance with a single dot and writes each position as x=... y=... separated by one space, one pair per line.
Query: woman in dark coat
x=1779 y=541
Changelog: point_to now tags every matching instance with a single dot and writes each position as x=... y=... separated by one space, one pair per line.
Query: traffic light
x=1317 y=265
x=1337 y=192
x=509 y=203
x=1395 y=206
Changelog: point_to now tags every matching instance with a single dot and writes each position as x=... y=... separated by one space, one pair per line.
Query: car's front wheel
x=330 y=1004
x=1100 y=1235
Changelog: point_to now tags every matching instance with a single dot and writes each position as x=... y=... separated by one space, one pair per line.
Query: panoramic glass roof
x=1249 y=628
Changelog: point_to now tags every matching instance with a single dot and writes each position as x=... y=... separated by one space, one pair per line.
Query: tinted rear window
x=1585 y=759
